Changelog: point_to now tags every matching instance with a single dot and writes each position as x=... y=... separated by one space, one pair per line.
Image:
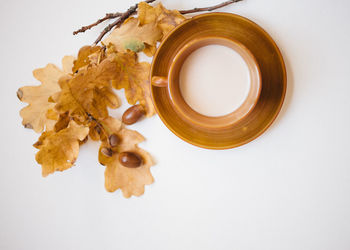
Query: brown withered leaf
x=100 y=129
x=94 y=131
x=149 y=50
x=165 y=19
x=89 y=92
x=67 y=64
x=52 y=115
x=59 y=150
x=168 y=19
x=131 y=36
x=35 y=114
x=133 y=76
x=131 y=181
x=62 y=122
x=147 y=13
x=88 y=55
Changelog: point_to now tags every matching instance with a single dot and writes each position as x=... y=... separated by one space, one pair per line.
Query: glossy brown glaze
x=173 y=85
x=268 y=81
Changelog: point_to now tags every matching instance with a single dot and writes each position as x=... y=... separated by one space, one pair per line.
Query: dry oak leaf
x=131 y=181
x=149 y=50
x=62 y=122
x=58 y=151
x=101 y=129
x=131 y=36
x=88 y=55
x=51 y=114
x=35 y=114
x=165 y=19
x=133 y=76
x=89 y=92
x=95 y=130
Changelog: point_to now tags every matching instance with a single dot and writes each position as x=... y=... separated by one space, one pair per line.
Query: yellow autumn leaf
x=165 y=19
x=51 y=114
x=67 y=64
x=89 y=92
x=168 y=19
x=149 y=50
x=131 y=181
x=87 y=56
x=59 y=150
x=62 y=122
x=132 y=36
x=147 y=13
x=34 y=115
x=133 y=77
x=94 y=131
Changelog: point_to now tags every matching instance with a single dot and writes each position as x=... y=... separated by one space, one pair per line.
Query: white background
x=288 y=189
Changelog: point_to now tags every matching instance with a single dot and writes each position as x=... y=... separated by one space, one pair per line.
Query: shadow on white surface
x=289 y=92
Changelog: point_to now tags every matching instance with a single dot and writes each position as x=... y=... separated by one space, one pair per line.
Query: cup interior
x=198 y=119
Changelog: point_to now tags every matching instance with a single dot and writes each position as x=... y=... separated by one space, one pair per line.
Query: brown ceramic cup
x=248 y=38
x=171 y=82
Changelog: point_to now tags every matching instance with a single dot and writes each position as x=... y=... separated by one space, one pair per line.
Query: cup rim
x=214 y=122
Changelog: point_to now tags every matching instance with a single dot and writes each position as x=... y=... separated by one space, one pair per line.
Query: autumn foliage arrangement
x=71 y=104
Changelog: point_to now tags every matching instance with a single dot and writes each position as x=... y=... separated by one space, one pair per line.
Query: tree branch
x=107 y=16
x=211 y=8
x=121 y=17
x=119 y=21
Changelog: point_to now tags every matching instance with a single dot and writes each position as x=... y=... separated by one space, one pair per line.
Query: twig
x=121 y=17
x=107 y=16
x=119 y=21
x=211 y=8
